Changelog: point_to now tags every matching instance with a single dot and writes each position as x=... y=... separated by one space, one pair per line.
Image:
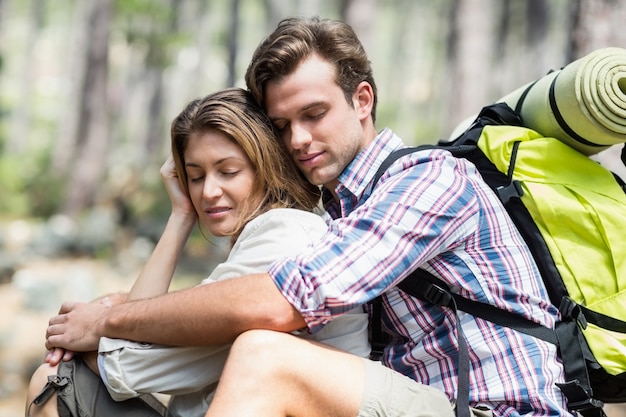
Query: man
x=429 y=210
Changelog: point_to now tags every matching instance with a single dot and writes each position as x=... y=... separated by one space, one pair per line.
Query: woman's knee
x=40 y=378
x=37 y=381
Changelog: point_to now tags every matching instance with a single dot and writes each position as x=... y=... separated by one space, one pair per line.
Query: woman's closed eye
x=195 y=178
x=230 y=173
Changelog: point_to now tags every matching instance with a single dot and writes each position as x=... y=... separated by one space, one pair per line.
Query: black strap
x=425 y=286
x=561 y=120
x=513 y=188
x=602 y=320
x=428 y=290
x=393 y=157
x=566 y=336
x=522 y=98
x=462 y=393
x=378 y=341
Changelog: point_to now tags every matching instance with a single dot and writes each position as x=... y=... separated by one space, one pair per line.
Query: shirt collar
x=356 y=177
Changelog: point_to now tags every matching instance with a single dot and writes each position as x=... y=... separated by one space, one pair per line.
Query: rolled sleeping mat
x=583 y=104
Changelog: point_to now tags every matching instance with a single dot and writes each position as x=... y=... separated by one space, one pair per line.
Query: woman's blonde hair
x=236 y=114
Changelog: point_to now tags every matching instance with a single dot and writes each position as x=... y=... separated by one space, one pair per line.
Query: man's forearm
x=210 y=314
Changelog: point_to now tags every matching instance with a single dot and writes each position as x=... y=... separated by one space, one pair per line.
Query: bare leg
x=277 y=374
x=37 y=382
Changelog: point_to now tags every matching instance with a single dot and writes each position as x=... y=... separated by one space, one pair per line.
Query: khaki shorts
x=390 y=394
x=84 y=395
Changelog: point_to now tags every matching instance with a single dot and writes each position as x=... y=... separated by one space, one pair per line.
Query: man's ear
x=363 y=99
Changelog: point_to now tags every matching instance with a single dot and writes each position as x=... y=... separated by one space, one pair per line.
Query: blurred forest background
x=88 y=89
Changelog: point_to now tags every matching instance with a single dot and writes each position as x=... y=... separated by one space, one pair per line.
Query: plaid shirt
x=433 y=211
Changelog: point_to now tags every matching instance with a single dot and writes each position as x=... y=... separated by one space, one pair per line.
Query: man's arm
x=209 y=314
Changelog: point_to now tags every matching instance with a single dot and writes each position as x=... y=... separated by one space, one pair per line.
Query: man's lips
x=309 y=159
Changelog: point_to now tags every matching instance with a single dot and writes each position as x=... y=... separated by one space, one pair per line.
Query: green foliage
x=44 y=193
x=137 y=8
x=14 y=201
x=151 y=24
x=34 y=191
x=28 y=188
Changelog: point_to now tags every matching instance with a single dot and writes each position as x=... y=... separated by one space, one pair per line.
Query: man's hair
x=236 y=114
x=295 y=39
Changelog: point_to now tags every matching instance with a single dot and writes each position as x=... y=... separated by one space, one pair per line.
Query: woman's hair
x=236 y=114
x=295 y=39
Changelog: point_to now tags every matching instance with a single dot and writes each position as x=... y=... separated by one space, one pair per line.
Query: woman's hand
x=181 y=203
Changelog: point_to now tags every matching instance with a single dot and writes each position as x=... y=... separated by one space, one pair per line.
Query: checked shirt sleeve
x=422 y=208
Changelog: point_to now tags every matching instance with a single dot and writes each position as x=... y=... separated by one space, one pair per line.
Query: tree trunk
x=469 y=59
x=17 y=140
x=157 y=60
x=594 y=24
x=93 y=135
x=65 y=145
x=233 y=42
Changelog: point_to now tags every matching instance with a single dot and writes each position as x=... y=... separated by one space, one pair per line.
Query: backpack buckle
x=509 y=191
x=578 y=398
x=569 y=309
x=435 y=294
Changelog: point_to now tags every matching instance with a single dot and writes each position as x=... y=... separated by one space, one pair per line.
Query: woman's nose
x=212 y=188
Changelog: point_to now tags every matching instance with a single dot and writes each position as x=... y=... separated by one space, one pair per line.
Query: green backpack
x=580 y=210
x=572 y=214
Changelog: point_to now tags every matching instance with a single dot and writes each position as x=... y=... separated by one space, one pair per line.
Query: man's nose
x=300 y=137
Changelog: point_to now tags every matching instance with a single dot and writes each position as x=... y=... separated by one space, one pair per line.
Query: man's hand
x=57 y=354
x=76 y=328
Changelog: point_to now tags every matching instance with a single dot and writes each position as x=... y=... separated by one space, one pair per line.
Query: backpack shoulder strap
x=495 y=114
x=393 y=157
x=423 y=285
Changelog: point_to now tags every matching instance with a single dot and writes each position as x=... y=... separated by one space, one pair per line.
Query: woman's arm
x=156 y=276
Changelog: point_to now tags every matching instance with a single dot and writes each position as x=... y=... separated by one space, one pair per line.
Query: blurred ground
x=27 y=303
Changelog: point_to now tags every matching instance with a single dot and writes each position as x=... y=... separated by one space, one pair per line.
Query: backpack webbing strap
x=558 y=116
x=496 y=114
x=567 y=337
x=520 y=102
x=378 y=341
x=439 y=296
x=513 y=189
x=604 y=321
x=577 y=388
x=425 y=286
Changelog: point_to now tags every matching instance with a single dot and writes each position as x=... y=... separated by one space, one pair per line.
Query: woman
x=229 y=173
